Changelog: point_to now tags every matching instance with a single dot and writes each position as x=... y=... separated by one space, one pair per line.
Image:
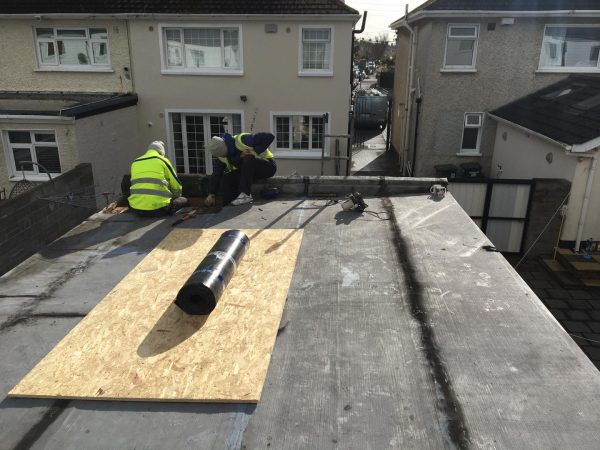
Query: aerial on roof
x=567 y=111
x=177 y=7
x=511 y=5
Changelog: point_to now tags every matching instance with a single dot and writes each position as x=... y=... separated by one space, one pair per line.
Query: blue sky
x=381 y=14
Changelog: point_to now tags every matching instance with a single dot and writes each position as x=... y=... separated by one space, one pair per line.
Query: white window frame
x=554 y=69
x=166 y=70
x=479 y=126
x=460 y=68
x=205 y=112
x=284 y=153
x=44 y=67
x=16 y=174
x=315 y=72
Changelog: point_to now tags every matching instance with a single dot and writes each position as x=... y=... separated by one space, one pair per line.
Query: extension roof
x=401 y=330
x=61 y=104
x=567 y=112
x=214 y=7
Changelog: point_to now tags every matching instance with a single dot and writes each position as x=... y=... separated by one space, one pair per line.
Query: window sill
x=298 y=154
x=469 y=154
x=44 y=177
x=569 y=70
x=234 y=73
x=327 y=73
x=75 y=69
x=458 y=70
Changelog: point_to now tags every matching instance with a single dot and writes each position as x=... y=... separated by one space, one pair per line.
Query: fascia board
x=33 y=118
x=527 y=130
x=196 y=17
x=483 y=13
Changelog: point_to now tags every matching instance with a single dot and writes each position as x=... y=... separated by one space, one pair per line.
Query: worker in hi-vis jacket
x=155 y=189
x=241 y=160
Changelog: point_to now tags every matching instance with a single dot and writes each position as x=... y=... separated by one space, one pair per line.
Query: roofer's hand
x=247 y=153
x=209 y=200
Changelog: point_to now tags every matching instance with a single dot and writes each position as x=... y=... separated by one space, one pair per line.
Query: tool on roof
x=354 y=202
x=201 y=292
x=186 y=216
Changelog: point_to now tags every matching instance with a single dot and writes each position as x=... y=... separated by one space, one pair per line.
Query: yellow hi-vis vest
x=241 y=147
x=153 y=182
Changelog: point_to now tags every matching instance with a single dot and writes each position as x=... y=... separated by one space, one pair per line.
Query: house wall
x=592 y=223
x=67 y=149
x=523 y=156
x=507 y=62
x=109 y=142
x=270 y=82
x=17 y=51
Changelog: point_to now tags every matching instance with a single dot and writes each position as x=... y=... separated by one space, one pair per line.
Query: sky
x=381 y=14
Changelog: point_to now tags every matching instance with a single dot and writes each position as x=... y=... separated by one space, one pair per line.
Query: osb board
x=137 y=345
x=586 y=266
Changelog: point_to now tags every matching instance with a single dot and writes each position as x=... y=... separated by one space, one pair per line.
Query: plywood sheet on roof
x=136 y=345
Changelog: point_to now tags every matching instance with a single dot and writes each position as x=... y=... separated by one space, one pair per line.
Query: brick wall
x=547 y=196
x=43 y=214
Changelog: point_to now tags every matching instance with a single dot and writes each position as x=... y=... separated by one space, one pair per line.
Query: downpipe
x=586 y=199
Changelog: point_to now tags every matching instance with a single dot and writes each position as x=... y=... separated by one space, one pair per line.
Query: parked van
x=370 y=111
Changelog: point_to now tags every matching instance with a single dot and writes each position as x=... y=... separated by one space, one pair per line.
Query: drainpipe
x=586 y=199
x=362 y=28
x=409 y=90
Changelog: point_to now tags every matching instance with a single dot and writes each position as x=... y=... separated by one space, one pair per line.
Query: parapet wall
x=44 y=213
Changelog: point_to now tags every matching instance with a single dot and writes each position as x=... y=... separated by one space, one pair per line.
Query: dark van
x=370 y=111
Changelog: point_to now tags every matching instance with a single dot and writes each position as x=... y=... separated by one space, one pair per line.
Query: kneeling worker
x=155 y=189
x=241 y=160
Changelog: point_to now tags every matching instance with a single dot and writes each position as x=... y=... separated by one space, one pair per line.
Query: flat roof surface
x=400 y=331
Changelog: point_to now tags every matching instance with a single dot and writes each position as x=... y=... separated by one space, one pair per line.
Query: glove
x=248 y=153
x=209 y=200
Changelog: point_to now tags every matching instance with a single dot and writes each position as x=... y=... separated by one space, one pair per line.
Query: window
x=316 y=50
x=39 y=147
x=471 y=137
x=570 y=48
x=72 y=48
x=191 y=132
x=202 y=50
x=300 y=134
x=461 y=47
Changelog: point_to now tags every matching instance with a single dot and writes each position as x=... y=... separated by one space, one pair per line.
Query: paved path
x=576 y=309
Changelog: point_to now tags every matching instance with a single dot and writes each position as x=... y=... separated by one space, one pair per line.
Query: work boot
x=242 y=199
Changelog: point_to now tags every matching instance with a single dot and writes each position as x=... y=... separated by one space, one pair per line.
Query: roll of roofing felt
x=201 y=292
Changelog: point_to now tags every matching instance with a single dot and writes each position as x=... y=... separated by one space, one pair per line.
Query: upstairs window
x=202 y=50
x=26 y=147
x=72 y=48
x=461 y=47
x=316 y=51
x=471 y=137
x=570 y=48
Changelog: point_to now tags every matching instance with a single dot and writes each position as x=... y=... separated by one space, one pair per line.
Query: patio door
x=190 y=134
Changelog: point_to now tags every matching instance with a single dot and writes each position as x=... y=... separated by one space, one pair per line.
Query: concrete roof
x=400 y=331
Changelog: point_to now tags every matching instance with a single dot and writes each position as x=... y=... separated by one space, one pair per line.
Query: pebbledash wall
x=41 y=215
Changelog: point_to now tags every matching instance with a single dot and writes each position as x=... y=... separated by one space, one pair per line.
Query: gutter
x=35 y=118
x=162 y=16
x=482 y=13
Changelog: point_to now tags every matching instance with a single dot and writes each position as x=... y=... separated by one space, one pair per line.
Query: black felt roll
x=201 y=292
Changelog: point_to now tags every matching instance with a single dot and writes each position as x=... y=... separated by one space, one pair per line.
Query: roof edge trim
x=34 y=118
x=586 y=146
x=527 y=130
